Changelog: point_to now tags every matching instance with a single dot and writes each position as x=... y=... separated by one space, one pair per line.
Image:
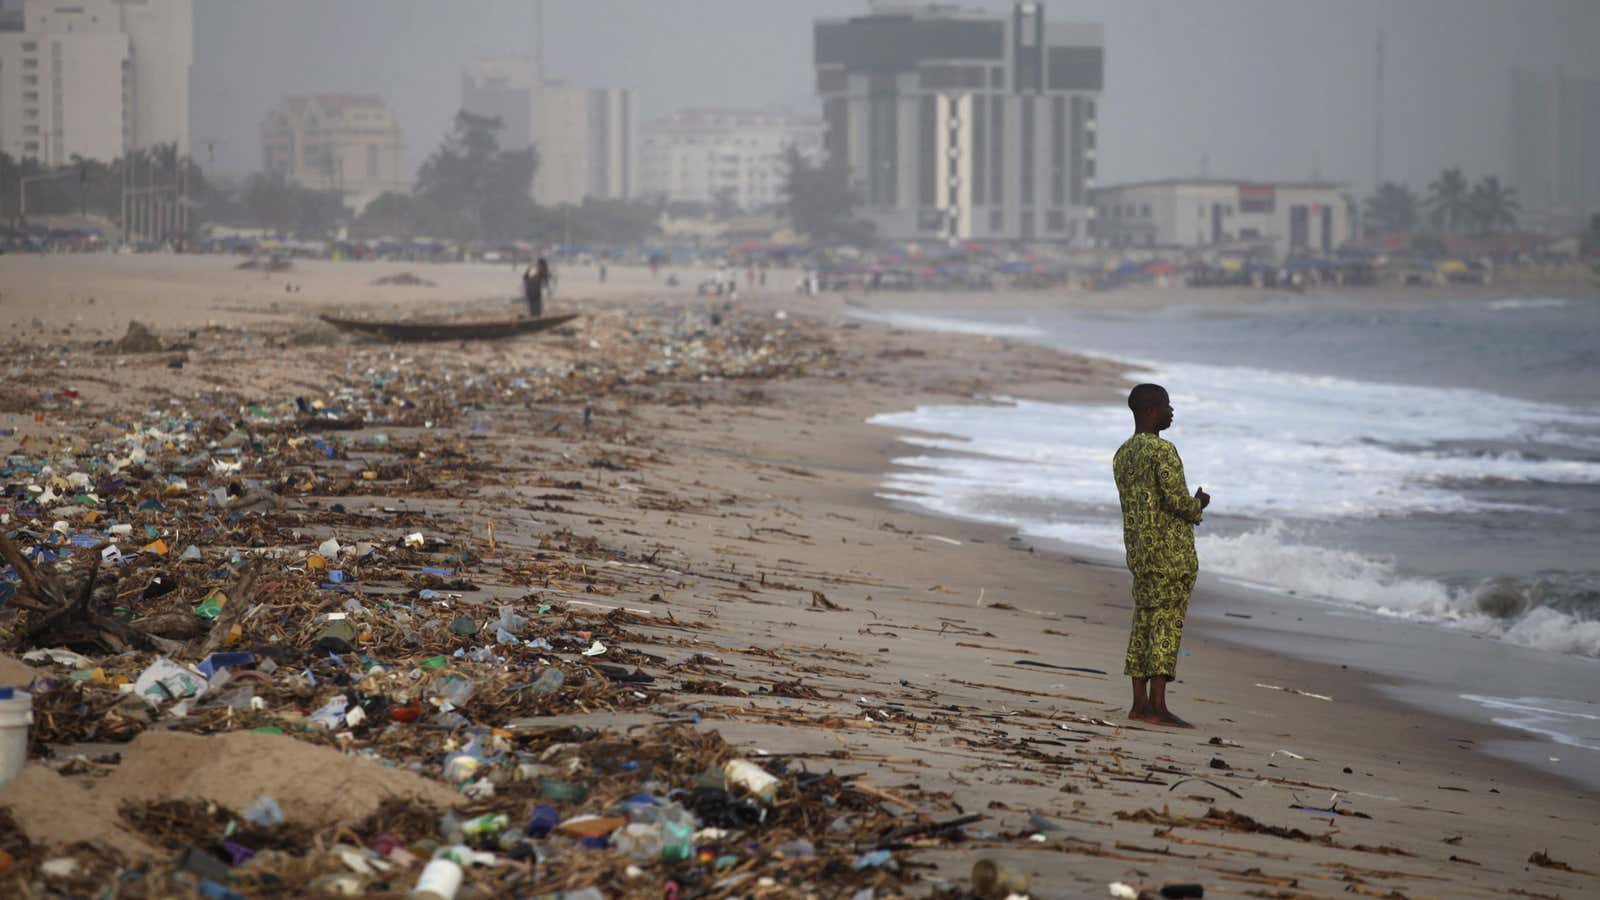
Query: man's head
x=1152 y=408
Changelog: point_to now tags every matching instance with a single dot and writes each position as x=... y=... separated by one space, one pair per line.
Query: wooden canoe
x=444 y=330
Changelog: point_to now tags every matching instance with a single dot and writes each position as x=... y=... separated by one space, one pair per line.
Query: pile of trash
x=223 y=568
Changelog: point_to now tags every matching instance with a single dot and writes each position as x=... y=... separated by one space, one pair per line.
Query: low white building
x=348 y=143
x=95 y=78
x=730 y=156
x=1292 y=216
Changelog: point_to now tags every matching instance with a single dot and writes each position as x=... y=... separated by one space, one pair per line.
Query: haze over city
x=1266 y=89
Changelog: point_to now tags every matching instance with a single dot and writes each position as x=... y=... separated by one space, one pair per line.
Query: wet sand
x=921 y=661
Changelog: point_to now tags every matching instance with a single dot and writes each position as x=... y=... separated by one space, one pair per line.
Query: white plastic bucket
x=440 y=880
x=16 y=714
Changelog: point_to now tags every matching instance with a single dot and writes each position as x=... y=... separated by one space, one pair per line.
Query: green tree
x=1392 y=208
x=480 y=192
x=398 y=214
x=819 y=202
x=272 y=201
x=1447 y=200
x=1493 y=205
x=95 y=187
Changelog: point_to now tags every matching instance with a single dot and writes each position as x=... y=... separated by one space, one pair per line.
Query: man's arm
x=1174 y=490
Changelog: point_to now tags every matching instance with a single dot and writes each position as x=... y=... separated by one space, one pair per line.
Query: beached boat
x=446 y=330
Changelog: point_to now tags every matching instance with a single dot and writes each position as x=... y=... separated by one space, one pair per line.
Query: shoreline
x=731 y=503
x=1545 y=753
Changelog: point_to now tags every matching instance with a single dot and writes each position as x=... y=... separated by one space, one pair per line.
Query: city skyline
x=1181 y=97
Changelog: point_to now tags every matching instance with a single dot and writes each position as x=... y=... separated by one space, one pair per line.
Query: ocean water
x=1437 y=463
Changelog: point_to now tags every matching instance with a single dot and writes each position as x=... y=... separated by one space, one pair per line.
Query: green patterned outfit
x=1158 y=519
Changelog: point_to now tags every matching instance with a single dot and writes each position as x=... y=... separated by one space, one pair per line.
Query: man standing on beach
x=1158 y=519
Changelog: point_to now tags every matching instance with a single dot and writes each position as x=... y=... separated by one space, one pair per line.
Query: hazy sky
x=1264 y=88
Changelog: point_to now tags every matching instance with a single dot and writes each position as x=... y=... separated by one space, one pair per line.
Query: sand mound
x=404 y=279
x=15 y=673
x=139 y=339
x=317 y=787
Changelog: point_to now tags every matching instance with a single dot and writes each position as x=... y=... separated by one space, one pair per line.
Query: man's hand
x=1204 y=498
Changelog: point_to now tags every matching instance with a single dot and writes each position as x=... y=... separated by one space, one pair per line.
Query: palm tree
x=1493 y=204
x=1393 y=208
x=1447 y=199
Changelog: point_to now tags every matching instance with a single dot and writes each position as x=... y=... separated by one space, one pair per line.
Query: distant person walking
x=1158 y=519
x=535 y=282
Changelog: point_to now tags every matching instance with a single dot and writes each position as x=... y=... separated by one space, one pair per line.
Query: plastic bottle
x=752 y=778
x=549 y=682
x=639 y=841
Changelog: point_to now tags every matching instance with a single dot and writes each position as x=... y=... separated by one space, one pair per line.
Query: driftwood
x=57 y=618
x=238 y=593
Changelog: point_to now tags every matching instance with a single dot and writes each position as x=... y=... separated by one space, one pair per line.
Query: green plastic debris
x=435 y=662
x=211 y=607
x=267 y=729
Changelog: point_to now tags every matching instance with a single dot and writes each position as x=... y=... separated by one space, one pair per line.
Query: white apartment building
x=337 y=142
x=735 y=156
x=94 y=78
x=1553 y=146
x=585 y=136
x=1292 y=216
x=964 y=124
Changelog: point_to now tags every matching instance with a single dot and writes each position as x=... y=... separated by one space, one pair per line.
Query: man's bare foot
x=1144 y=715
x=1165 y=717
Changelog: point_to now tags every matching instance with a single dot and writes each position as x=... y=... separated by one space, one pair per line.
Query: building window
x=30 y=63
x=1055 y=220
x=997 y=221
x=1145 y=211
x=30 y=46
x=372 y=160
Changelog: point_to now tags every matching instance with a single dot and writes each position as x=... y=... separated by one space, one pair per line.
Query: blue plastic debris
x=435 y=570
x=216 y=662
x=871 y=859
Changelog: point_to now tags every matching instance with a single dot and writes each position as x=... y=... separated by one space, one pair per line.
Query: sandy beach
x=733 y=513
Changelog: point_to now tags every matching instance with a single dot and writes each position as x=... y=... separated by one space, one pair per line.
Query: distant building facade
x=348 y=143
x=964 y=124
x=731 y=156
x=586 y=137
x=1554 y=146
x=94 y=78
x=1294 y=217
